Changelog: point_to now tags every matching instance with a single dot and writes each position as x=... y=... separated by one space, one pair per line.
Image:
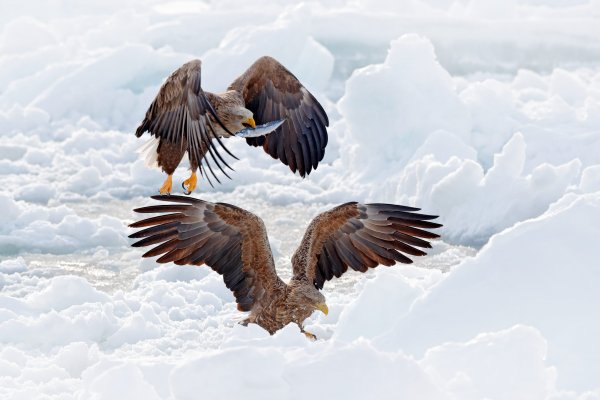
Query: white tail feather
x=149 y=151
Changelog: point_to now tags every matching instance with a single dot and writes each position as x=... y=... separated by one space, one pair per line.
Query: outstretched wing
x=271 y=92
x=231 y=241
x=360 y=236
x=180 y=115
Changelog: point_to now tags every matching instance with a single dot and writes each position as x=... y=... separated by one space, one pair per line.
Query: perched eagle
x=184 y=118
x=234 y=243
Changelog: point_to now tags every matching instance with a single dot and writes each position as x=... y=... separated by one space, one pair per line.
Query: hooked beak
x=250 y=122
x=322 y=307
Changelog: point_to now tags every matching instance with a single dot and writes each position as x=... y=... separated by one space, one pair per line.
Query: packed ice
x=486 y=113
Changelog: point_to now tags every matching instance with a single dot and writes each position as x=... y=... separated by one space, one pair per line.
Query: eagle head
x=244 y=118
x=233 y=113
x=307 y=297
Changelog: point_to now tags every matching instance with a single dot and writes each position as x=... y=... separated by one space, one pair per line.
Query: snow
x=540 y=272
x=486 y=113
x=411 y=96
x=54 y=229
x=471 y=369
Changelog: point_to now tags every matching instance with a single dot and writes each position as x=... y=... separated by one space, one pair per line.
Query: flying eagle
x=234 y=243
x=184 y=118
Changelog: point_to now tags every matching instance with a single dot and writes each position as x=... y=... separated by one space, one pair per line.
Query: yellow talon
x=310 y=335
x=190 y=183
x=167 y=186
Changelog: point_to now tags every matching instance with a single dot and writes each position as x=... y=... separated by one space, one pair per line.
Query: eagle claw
x=185 y=191
x=167 y=185
x=309 y=335
x=191 y=183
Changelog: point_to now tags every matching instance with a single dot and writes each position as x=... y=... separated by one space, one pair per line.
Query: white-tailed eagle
x=234 y=243
x=183 y=118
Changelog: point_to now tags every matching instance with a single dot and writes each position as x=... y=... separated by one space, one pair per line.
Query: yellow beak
x=323 y=308
x=250 y=121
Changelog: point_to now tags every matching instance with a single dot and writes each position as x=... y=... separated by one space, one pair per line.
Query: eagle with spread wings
x=183 y=118
x=233 y=242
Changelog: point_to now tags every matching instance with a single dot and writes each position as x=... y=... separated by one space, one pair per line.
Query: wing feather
x=231 y=241
x=180 y=114
x=360 y=236
x=272 y=92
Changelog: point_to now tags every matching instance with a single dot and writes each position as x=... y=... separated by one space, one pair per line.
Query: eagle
x=233 y=242
x=183 y=118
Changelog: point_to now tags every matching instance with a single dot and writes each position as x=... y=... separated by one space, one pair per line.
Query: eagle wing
x=231 y=241
x=360 y=236
x=180 y=114
x=272 y=92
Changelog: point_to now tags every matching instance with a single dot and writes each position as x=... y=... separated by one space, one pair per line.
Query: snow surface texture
x=485 y=112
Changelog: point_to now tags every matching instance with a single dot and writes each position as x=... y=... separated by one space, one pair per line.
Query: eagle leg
x=167 y=185
x=309 y=335
x=191 y=183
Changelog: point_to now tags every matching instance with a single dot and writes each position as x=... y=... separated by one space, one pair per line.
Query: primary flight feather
x=183 y=118
x=234 y=243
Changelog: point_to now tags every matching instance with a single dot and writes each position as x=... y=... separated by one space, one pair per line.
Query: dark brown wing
x=360 y=236
x=231 y=241
x=179 y=114
x=271 y=92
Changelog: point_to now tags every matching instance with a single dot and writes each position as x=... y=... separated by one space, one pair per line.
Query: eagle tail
x=149 y=152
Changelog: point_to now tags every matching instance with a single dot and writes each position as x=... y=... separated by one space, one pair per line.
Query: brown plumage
x=234 y=243
x=184 y=118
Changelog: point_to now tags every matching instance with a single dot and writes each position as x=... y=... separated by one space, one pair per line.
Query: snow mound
x=64 y=292
x=481 y=367
x=470 y=155
x=409 y=96
x=11 y=266
x=524 y=275
x=507 y=364
x=475 y=204
x=55 y=230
